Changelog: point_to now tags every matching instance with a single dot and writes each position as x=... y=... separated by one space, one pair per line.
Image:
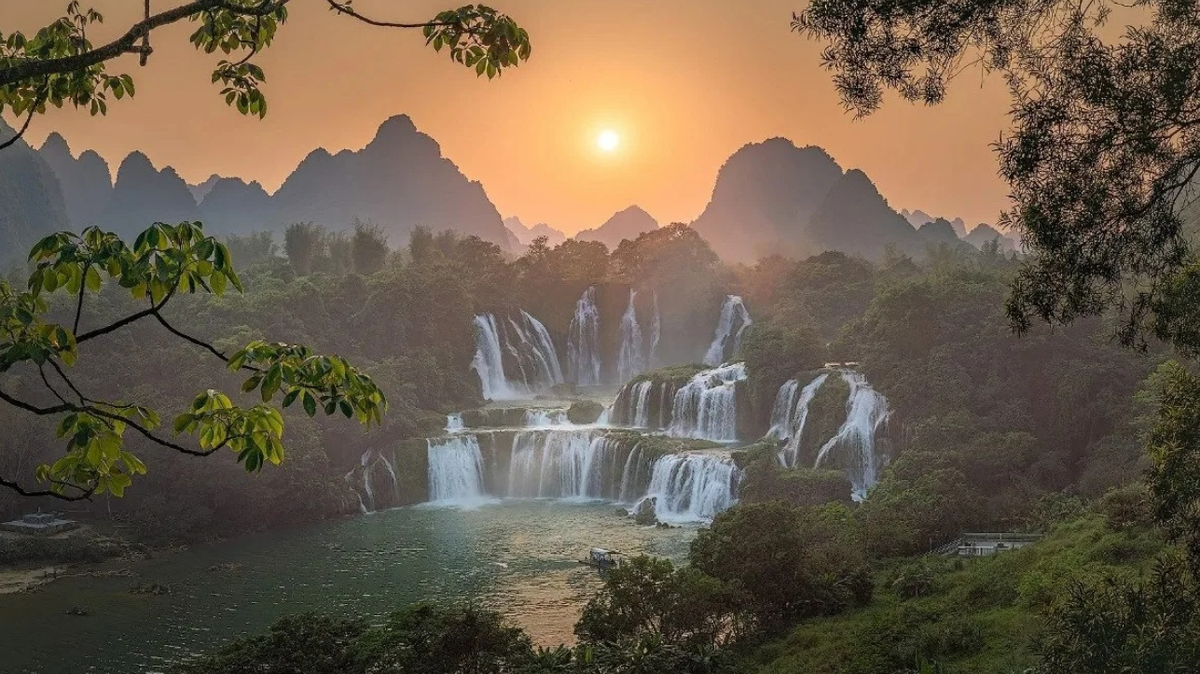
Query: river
x=517 y=557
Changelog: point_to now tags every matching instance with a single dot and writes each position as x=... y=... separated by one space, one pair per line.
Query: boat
x=602 y=559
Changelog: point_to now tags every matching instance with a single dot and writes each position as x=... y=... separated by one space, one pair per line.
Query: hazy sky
x=684 y=82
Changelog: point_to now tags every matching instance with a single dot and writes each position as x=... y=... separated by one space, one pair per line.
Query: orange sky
x=685 y=83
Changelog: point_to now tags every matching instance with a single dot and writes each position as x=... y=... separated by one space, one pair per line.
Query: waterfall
x=533 y=362
x=583 y=342
x=558 y=464
x=454 y=422
x=542 y=418
x=641 y=401
x=632 y=359
x=797 y=415
x=630 y=475
x=706 y=407
x=727 y=338
x=855 y=443
x=655 y=335
x=781 y=411
x=455 y=470
x=692 y=487
x=489 y=359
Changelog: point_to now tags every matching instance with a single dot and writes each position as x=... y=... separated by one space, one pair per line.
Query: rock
x=645 y=514
x=75 y=610
x=585 y=412
x=621 y=512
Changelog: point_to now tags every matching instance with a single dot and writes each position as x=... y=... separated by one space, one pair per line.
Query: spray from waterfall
x=583 y=341
x=727 y=338
x=855 y=447
x=655 y=335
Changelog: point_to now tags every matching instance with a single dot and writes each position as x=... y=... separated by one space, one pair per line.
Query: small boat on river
x=602 y=559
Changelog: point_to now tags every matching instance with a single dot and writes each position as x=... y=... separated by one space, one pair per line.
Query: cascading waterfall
x=532 y=360
x=454 y=422
x=631 y=358
x=781 y=411
x=455 y=470
x=727 y=338
x=692 y=487
x=583 y=341
x=489 y=359
x=655 y=335
x=792 y=428
x=855 y=444
x=560 y=464
x=706 y=407
x=544 y=417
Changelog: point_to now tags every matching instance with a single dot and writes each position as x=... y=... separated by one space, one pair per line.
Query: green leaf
x=310 y=404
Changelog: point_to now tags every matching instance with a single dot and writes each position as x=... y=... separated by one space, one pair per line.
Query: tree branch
x=127 y=43
x=345 y=8
x=25 y=126
x=132 y=318
x=198 y=342
x=33 y=409
x=86 y=494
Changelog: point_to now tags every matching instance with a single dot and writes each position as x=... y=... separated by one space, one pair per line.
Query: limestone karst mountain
x=985 y=233
x=526 y=235
x=627 y=224
x=399 y=181
x=31 y=202
x=235 y=206
x=201 y=190
x=85 y=180
x=143 y=195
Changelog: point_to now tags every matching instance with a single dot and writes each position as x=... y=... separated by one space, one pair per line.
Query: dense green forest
x=990 y=431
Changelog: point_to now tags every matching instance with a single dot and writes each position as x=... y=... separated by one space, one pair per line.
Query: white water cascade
x=789 y=415
x=564 y=464
x=454 y=423
x=455 y=470
x=532 y=360
x=545 y=417
x=631 y=358
x=727 y=338
x=583 y=341
x=855 y=446
x=706 y=407
x=691 y=487
x=655 y=335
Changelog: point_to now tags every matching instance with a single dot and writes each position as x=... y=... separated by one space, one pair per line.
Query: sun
x=608 y=140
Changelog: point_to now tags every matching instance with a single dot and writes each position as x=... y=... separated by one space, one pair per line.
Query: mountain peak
x=629 y=223
x=55 y=143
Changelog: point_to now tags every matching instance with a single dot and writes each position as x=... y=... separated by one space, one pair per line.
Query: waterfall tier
x=631 y=359
x=704 y=407
x=789 y=415
x=858 y=446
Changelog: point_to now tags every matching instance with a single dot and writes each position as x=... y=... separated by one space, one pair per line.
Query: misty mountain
x=400 y=180
x=200 y=191
x=143 y=195
x=514 y=243
x=627 y=224
x=855 y=218
x=233 y=206
x=85 y=181
x=765 y=194
x=985 y=233
x=31 y=202
x=526 y=235
x=918 y=218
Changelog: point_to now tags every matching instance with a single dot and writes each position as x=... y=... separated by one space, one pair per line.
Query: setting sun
x=608 y=140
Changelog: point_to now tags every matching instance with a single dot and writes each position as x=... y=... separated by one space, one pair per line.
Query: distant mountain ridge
x=627 y=224
x=526 y=235
x=399 y=181
x=31 y=200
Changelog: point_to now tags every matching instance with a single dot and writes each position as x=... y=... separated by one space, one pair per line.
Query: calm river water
x=516 y=557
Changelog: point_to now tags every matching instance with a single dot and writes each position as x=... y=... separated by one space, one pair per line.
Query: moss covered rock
x=585 y=412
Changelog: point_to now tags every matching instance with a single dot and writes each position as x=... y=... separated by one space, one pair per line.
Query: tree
x=253 y=248
x=304 y=243
x=165 y=261
x=368 y=248
x=1105 y=145
x=59 y=65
